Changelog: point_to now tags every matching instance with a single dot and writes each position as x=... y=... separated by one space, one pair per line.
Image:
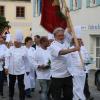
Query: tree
x=3 y=23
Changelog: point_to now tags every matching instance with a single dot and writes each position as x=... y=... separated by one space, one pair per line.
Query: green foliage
x=3 y=23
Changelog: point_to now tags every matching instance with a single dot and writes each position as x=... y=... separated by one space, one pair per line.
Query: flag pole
x=70 y=25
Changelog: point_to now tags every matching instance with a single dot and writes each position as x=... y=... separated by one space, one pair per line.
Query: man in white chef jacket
x=61 y=78
x=87 y=62
x=31 y=51
x=15 y=65
x=27 y=78
x=77 y=70
x=3 y=49
x=42 y=66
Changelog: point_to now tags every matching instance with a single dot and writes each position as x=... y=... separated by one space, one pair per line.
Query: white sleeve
x=26 y=62
x=1 y=55
x=68 y=37
x=54 y=50
x=35 y=60
x=31 y=58
x=85 y=55
x=7 y=59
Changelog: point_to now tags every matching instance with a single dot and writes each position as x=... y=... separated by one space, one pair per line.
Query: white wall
x=37 y=28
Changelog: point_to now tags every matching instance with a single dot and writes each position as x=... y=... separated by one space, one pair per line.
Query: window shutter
x=79 y=4
x=71 y=4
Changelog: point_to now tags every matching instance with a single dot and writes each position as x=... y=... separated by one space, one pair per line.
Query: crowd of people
x=52 y=61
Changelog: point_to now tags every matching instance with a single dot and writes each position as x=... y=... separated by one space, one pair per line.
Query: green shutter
x=97 y=2
x=71 y=4
x=87 y=3
x=79 y=4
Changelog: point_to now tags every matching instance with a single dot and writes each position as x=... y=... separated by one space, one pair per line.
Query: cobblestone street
x=35 y=96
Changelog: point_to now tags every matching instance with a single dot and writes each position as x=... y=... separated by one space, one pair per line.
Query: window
x=92 y=3
x=98 y=52
x=75 y=4
x=20 y=12
x=19 y=0
x=2 y=11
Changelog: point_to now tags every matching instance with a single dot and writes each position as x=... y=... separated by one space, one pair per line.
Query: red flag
x=51 y=16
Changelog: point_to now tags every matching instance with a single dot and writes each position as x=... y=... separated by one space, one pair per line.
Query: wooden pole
x=70 y=25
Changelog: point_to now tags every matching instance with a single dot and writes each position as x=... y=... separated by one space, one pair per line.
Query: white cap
x=50 y=36
x=18 y=36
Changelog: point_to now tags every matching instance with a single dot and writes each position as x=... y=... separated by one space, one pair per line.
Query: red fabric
x=50 y=20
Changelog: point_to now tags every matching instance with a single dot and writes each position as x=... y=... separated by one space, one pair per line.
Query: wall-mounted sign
x=92 y=27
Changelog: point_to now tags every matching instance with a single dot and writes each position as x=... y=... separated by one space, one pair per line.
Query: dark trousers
x=12 y=80
x=86 y=87
x=62 y=87
x=1 y=82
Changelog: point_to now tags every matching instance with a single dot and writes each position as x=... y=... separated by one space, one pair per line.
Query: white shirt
x=41 y=57
x=86 y=58
x=58 y=62
x=15 y=60
x=30 y=54
x=3 y=49
x=74 y=61
x=31 y=51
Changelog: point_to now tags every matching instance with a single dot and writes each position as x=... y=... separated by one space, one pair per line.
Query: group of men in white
x=54 y=61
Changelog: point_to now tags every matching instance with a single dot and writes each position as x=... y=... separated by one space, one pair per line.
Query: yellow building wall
x=18 y=23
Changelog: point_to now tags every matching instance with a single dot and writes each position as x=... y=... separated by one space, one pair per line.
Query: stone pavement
x=35 y=96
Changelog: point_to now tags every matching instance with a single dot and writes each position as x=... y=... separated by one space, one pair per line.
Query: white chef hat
x=8 y=37
x=18 y=36
x=50 y=36
x=78 y=31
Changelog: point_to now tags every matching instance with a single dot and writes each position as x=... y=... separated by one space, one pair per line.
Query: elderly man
x=61 y=78
x=15 y=61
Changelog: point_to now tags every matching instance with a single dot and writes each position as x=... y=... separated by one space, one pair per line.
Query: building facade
x=18 y=13
x=85 y=13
